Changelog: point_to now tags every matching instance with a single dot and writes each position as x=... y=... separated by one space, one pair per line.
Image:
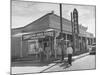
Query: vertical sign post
x=75 y=29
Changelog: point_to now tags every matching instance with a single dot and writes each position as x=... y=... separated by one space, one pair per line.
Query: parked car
x=93 y=49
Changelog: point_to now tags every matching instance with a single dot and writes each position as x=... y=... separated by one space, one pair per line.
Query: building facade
x=45 y=32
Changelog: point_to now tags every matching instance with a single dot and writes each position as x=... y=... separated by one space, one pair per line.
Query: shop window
x=33 y=47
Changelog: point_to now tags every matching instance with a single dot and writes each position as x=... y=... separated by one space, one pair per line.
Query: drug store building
x=44 y=32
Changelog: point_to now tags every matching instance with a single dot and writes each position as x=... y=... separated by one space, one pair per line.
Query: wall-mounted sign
x=37 y=35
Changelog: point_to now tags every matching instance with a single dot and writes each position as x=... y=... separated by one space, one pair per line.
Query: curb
x=77 y=57
x=48 y=68
x=80 y=56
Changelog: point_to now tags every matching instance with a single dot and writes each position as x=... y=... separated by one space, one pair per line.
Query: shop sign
x=37 y=35
x=48 y=33
x=24 y=37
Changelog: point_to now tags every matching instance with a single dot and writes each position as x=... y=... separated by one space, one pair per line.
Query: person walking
x=69 y=53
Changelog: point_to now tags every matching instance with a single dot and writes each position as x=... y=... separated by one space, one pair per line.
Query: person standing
x=41 y=54
x=90 y=48
x=47 y=52
x=69 y=53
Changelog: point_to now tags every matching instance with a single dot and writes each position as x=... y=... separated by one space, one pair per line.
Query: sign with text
x=37 y=35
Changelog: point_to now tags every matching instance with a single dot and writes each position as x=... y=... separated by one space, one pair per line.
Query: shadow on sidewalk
x=30 y=63
x=65 y=64
x=37 y=63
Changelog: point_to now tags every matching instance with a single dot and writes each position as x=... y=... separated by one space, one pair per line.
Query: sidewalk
x=74 y=57
x=85 y=63
x=39 y=69
x=29 y=69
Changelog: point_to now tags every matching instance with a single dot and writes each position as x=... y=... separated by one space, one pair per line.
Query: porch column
x=55 y=45
x=21 y=48
x=85 y=43
x=81 y=43
x=56 y=34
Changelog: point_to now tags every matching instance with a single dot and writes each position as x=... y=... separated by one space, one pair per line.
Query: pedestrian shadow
x=65 y=64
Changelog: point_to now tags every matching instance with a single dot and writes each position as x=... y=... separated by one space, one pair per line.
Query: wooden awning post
x=21 y=48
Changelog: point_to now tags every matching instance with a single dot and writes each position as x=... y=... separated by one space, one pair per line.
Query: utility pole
x=62 y=58
x=61 y=17
x=72 y=31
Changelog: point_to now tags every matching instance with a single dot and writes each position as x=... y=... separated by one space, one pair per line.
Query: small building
x=44 y=32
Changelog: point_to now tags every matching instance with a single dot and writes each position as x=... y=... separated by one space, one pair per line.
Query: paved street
x=83 y=61
x=87 y=62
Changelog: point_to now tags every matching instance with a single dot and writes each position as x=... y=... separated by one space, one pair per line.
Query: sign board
x=37 y=35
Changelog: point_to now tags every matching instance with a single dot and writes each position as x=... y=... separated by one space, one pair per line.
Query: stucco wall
x=15 y=47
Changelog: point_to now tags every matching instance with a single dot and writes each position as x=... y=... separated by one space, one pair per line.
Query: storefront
x=36 y=34
x=40 y=39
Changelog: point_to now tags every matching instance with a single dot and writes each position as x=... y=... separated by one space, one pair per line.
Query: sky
x=25 y=12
